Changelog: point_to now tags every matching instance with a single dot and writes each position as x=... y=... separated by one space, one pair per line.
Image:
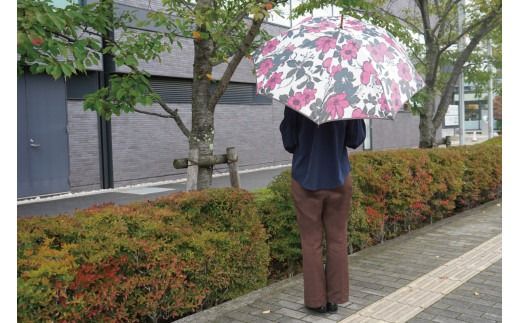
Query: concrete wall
x=399 y=133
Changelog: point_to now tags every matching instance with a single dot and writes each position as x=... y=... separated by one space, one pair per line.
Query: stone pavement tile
x=421 y=298
x=374 y=292
x=291 y=313
x=371 y=298
x=487 y=309
x=244 y=317
x=356 y=318
x=474 y=319
x=445 y=319
x=317 y=319
x=225 y=319
x=397 y=313
x=289 y=320
x=345 y=311
x=418 y=320
x=443 y=312
x=425 y=316
x=359 y=300
x=292 y=298
x=259 y=313
x=494 y=317
x=440 y=305
x=338 y=316
x=290 y=305
x=466 y=310
x=469 y=299
x=463 y=304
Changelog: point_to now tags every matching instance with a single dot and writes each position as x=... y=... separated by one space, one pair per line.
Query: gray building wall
x=84 y=173
x=399 y=133
x=144 y=146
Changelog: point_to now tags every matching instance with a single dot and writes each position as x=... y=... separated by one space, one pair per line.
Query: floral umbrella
x=330 y=73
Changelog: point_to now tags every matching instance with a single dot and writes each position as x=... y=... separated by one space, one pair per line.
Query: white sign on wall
x=451 y=118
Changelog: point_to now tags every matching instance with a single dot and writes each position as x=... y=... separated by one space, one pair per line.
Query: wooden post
x=232 y=159
x=448 y=141
x=193 y=170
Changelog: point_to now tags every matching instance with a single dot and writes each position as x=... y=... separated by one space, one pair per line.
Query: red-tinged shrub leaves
x=148 y=261
x=395 y=191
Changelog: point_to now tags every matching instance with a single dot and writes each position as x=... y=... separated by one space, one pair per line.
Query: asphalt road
x=248 y=181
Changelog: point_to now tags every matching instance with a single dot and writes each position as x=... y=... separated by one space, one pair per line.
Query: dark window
x=171 y=90
x=175 y=90
x=80 y=85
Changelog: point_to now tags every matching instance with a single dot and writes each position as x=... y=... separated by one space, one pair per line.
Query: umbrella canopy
x=330 y=73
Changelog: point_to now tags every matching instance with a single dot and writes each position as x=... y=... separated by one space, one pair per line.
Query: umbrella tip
x=341 y=23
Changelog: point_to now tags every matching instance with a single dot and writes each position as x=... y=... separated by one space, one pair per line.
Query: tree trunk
x=427 y=130
x=202 y=121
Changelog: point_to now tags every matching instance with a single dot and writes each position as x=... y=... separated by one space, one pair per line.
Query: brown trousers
x=315 y=210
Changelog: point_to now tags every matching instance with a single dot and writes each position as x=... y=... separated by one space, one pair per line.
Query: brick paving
x=380 y=273
x=477 y=300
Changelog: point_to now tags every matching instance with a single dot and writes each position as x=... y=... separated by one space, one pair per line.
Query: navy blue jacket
x=320 y=158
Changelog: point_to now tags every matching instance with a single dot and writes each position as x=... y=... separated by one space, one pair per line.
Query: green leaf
x=56 y=72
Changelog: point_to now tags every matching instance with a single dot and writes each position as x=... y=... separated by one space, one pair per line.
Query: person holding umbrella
x=322 y=192
x=330 y=73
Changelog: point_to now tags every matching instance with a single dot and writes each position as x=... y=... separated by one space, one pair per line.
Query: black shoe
x=332 y=307
x=321 y=309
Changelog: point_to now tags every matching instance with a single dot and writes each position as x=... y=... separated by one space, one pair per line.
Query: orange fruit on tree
x=196 y=35
x=37 y=41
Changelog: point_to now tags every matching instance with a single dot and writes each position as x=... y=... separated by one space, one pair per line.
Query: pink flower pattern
x=368 y=71
x=336 y=105
x=395 y=97
x=403 y=70
x=358 y=113
x=270 y=46
x=326 y=63
x=378 y=52
x=264 y=67
x=297 y=101
x=309 y=95
x=349 y=50
x=259 y=86
x=324 y=44
x=354 y=24
x=360 y=54
x=275 y=79
x=332 y=70
x=383 y=103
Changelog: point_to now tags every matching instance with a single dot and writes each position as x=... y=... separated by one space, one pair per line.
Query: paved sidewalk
x=449 y=271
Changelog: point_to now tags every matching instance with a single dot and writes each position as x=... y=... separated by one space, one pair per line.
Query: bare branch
x=425 y=15
x=484 y=29
x=152 y=113
x=174 y=113
x=408 y=23
x=486 y=20
x=233 y=64
x=441 y=24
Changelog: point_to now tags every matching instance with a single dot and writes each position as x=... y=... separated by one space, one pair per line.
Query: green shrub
x=278 y=216
x=395 y=191
x=150 y=261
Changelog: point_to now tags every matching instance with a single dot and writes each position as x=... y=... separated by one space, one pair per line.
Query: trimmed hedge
x=164 y=259
x=144 y=262
x=395 y=191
